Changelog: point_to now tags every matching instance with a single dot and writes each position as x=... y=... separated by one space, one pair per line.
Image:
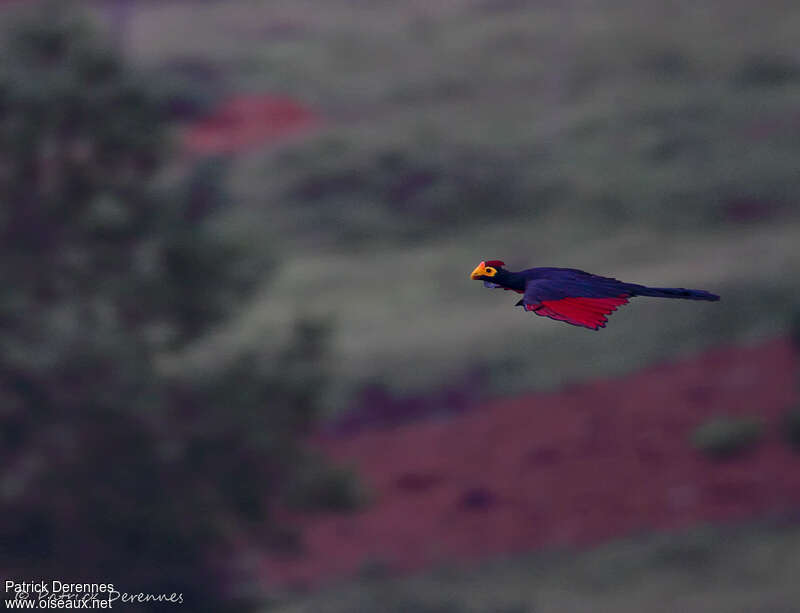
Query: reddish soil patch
x=575 y=467
x=244 y=122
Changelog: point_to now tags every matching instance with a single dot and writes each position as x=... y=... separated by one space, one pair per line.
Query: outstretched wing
x=584 y=300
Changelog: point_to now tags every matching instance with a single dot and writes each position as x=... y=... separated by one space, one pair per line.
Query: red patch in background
x=244 y=122
x=574 y=467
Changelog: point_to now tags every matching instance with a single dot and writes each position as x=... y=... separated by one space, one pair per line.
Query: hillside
x=576 y=467
x=724 y=569
x=655 y=144
x=242 y=358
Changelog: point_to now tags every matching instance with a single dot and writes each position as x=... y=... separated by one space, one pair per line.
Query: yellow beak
x=479 y=272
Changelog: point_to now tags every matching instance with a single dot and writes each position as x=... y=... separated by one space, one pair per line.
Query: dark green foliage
x=694 y=551
x=375 y=569
x=768 y=70
x=795 y=328
x=113 y=470
x=667 y=63
x=325 y=488
x=727 y=437
x=188 y=87
x=408 y=191
x=415 y=605
x=791 y=428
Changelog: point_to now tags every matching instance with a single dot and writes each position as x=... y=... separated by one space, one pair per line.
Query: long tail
x=673 y=292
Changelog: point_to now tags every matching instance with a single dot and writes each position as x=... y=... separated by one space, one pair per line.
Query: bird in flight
x=573 y=296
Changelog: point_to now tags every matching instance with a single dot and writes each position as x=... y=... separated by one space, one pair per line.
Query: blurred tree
x=726 y=437
x=112 y=470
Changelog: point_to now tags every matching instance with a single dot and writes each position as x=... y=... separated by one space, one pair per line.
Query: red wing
x=587 y=312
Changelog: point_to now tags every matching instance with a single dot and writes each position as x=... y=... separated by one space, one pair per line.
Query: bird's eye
x=490 y=270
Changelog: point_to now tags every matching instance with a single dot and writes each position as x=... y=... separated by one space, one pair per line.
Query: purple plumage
x=574 y=296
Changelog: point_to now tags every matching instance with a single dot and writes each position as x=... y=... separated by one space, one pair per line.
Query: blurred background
x=240 y=355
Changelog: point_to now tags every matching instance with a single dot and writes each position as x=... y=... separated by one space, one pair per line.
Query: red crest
x=495 y=263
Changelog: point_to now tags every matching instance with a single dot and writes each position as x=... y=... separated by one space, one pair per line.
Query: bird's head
x=488 y=270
